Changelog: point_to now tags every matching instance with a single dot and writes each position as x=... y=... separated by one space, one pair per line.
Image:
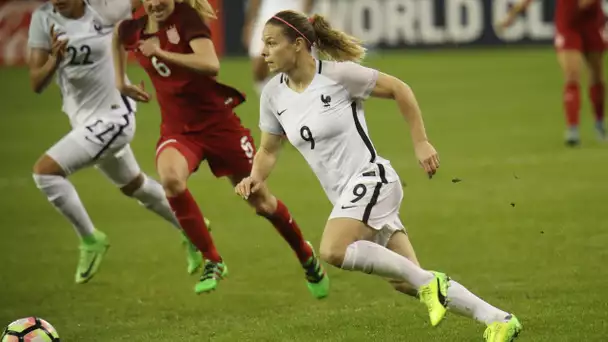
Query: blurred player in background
x=258 y=12
x=172 y=43
x=579 y=38
x=318 y=106
x=72 y=39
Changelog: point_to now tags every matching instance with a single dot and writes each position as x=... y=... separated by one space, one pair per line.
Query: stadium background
x=513 y=215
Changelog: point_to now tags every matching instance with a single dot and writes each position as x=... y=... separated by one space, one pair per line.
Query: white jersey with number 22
x=86 y=73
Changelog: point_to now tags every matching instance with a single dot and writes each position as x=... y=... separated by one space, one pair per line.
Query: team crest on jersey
x=173 y=35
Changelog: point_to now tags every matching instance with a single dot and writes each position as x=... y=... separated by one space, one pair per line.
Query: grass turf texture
x=525 y=228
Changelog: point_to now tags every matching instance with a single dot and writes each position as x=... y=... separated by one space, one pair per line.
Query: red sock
x=289 y=230
x=597 y=94
x=572 y=103
x=191 y=219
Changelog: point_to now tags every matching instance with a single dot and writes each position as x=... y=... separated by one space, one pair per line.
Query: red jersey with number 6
x=189 y=101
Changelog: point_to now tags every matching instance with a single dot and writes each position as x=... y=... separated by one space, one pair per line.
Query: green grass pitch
x=526 y=228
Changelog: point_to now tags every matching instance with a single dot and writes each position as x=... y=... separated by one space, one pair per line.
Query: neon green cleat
x=503 y=331
x=91 y=255
x=212 y=274
x=434 y=296
x=194 y=258
x=316 y=277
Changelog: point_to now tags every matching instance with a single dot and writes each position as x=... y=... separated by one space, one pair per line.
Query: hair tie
x=311 y=20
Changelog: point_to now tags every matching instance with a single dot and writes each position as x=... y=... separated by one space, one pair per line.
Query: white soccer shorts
x=103 y=143
x=373 y=203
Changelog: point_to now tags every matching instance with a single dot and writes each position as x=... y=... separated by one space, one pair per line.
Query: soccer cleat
x=194 y=258
x=503 y=331
x=572 y=136
x=91 y=255
x=212 y=274
x=434 y=296
x=316 y=277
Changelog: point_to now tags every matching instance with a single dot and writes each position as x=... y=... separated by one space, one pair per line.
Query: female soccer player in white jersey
x=317 y=105
x=72 y=40
x=258 y=12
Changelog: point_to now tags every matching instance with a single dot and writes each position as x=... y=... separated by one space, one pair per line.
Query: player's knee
x=572 y=74
x=332 y=255
x=45 y=165
x=173 y=184
x=133 y=185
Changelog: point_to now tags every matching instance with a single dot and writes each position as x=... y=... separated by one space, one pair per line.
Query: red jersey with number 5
x=570 y=16
x=189 y=101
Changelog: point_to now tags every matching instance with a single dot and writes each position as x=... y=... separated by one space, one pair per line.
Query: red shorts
x=228 y=149
x=586 y=39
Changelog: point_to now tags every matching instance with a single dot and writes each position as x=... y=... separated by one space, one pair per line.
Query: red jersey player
x=579 y=37
x=172 y=43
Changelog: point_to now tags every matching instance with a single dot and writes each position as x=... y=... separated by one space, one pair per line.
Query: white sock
x=63 y=196
x=152 y=196
x=465 y=303
x=371 y=258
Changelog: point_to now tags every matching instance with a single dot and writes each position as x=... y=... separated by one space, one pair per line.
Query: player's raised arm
x=46 y=52
x=203 y=58
x=516 y=10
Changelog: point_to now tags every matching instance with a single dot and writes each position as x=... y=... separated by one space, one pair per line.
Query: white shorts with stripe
x=374 y=201
x=103 y=143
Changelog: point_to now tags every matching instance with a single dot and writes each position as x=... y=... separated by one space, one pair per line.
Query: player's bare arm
x=263 y=164
x=253 y=8
x=203 y=59
x=308 y=5
x=119 y=55
x=516 y=10
x=390 y=87
x=44 y=63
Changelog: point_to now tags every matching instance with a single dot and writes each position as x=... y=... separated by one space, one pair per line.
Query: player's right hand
x=427 y=157
x=136 y=92
x=58 y=46
x=248 y=186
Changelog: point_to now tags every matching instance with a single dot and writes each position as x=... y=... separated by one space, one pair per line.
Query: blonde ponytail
x=334 y=44
x=203 y=7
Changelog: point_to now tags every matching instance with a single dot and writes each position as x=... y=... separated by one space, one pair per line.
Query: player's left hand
x=136 y=92
x=427 y=157
x=248 y=186
x=149 y=47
